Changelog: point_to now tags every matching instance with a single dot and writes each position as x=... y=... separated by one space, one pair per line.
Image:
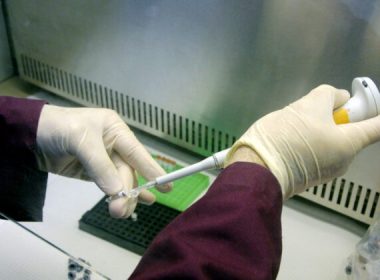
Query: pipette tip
x=131 y=193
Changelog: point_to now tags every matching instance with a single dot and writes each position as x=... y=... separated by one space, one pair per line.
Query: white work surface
x=312 y=249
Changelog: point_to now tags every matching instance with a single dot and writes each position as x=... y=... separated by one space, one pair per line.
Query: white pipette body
x=212 y=162
x=216 y=161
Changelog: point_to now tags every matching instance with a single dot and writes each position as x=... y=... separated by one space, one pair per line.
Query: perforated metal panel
x=158 y=121
x=348 y=198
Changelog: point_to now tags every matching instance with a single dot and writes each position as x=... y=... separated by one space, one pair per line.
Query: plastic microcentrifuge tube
x=364 y=103
x=134 y=216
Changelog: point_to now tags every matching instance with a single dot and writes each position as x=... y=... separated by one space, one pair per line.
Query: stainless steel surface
x=6 y=67
x=220 y=63
x=198 y=73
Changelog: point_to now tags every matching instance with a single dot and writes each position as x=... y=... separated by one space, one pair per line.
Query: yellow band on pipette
x=341 y=116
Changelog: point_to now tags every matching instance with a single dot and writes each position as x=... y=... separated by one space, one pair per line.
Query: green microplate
x=185 y=190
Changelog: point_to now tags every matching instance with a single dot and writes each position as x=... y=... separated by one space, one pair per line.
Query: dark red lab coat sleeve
x=233 y=232
x=22 y=185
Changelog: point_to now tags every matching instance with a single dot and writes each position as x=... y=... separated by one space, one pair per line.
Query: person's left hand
x=95 y=144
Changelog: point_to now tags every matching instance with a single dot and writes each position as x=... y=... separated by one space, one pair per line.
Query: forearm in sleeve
x=234 y=231
x=22 y=185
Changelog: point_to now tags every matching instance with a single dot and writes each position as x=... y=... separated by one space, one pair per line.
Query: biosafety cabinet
x=199 y=73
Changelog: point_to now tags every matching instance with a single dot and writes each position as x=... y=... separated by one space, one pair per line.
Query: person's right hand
x=302 y=145
x=95 y=144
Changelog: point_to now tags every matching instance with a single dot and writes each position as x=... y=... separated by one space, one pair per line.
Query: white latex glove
x=95 y=144
x=302 y=145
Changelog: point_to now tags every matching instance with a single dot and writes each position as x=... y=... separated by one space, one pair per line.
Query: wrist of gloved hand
x=242 y=153
x=252 y=151
x=301 y=144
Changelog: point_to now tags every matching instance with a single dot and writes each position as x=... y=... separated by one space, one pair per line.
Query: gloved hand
x=302 y=145
x=95 y=144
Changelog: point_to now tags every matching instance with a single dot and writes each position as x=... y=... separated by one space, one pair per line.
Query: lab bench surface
x=313 y=247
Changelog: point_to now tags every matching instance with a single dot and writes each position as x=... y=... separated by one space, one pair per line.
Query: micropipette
x=216 y=161
x=364 y=103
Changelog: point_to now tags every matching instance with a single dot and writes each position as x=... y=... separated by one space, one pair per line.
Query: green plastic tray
x=185 y=190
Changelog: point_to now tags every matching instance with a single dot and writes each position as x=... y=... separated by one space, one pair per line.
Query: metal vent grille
x=346 y=197
x=340 y=195
x=178 y=129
